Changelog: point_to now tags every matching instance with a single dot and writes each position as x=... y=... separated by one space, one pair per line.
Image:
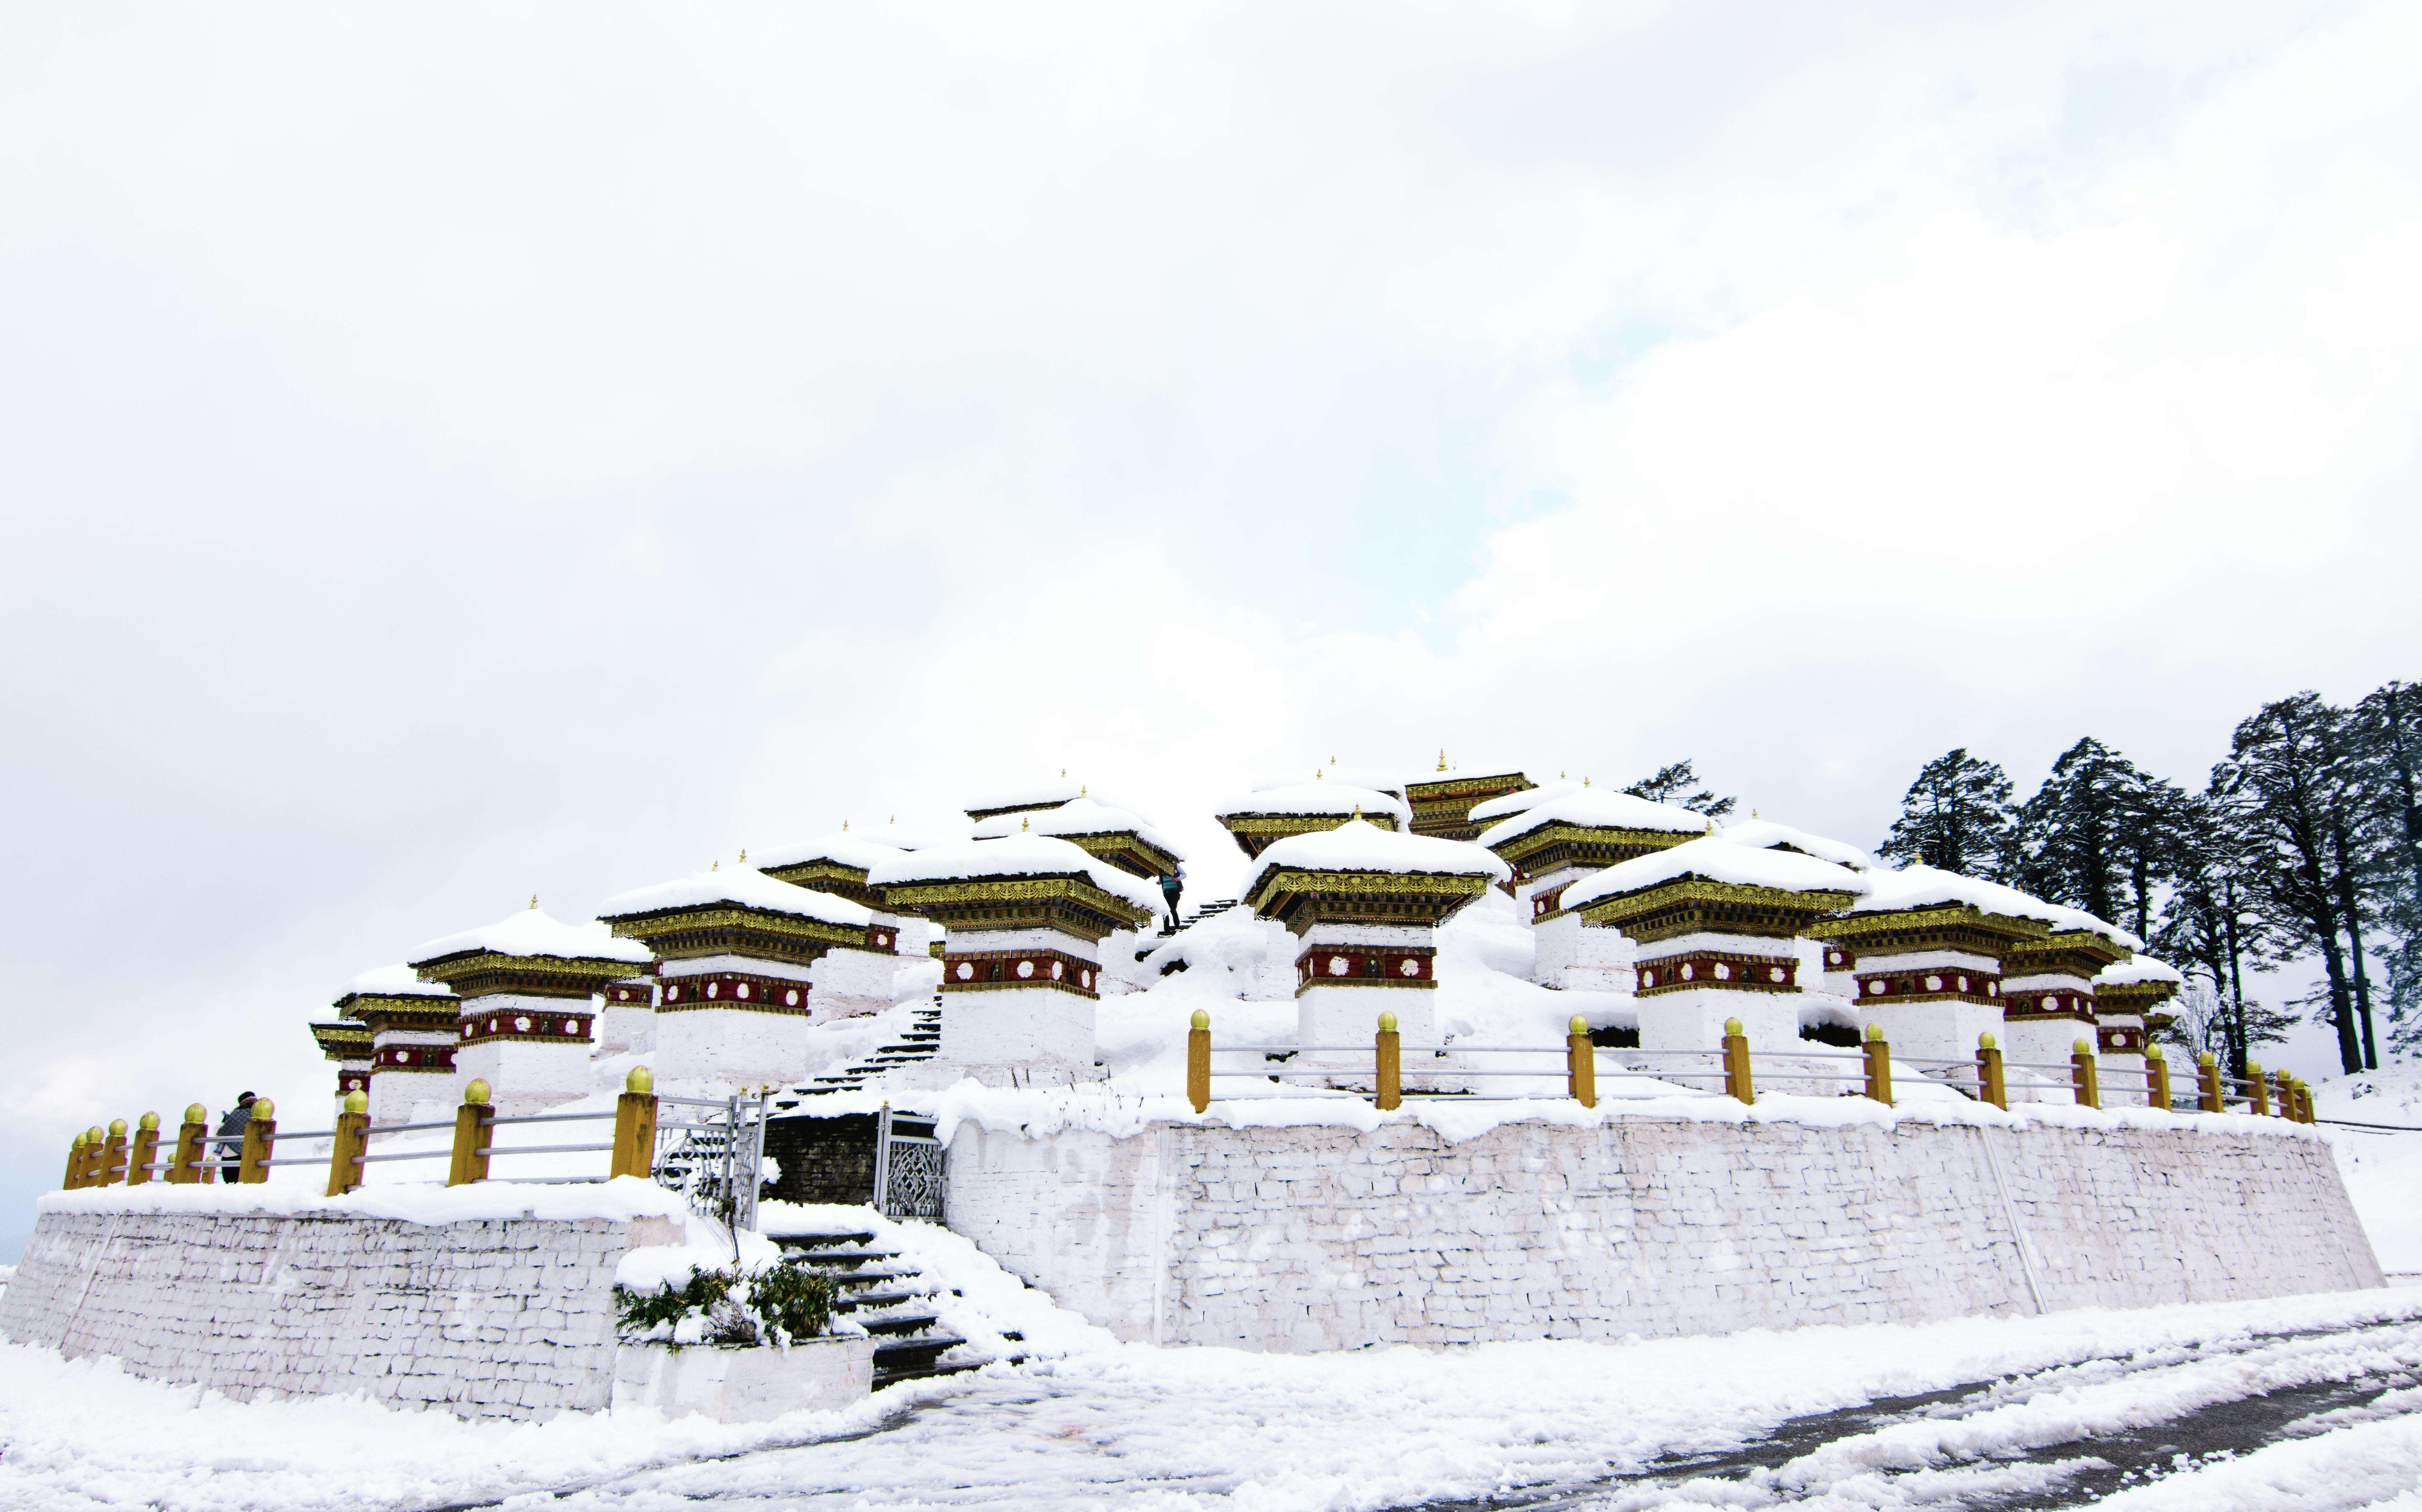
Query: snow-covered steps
x=920 y=1041
x=890 y=1298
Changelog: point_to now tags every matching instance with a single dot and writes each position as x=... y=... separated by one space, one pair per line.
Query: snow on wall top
x=1596 y=808
x=1716 y=859
x=1320 y=796
x=1359 y=845
x=1523 y=802
x=1765 y=834
x=398 y=981
x=1015 y=855
x=533 y=931
x=1918 y=886
x=742 y=886
x=1078 y=816
x=843 y=846
x=2139 y=968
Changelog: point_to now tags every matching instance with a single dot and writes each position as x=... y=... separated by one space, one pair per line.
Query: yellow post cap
x=264 y=1110
x=1387 y=1024
x=92 y=1135
x=477 y=1091
x=195 y=1113
x=1732 y=1028
x=77 y=1143
x=118 y=1129
x=2207 y=1058
x=2254 y=1068
x=150 y=1120
x=1875 y=1031
x=2153 y=1053
x=2082 y=1047
x=357 y=1100
x=1580 y=1025
x=640 y=1080
x=1201 y=1019
x=1987 y=1041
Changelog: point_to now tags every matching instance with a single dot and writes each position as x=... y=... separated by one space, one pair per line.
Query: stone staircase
x=922 y=1042
x=1191 y=918
x=875 y=1289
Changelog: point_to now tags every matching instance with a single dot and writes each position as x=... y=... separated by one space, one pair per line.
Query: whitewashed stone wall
x=1307 y=1238
x=505 y=1317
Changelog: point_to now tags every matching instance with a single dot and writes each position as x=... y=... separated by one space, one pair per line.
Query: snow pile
x=411 y=1202
x=1594 y=808
x=2137 y=969
x=1016 y=855
x=1491 y=810
x=1078 y=816
x=1320 y=799
x=2382 y=1166
x=1716 y=859
x=741 y=887
x=398 y=981
x=1359 y=845
x=532 y=931
x=1765 y=834
x=842 y=847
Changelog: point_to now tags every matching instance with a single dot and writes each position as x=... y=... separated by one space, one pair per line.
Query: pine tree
x=1673 y=784
x=2388 y=735
x=1955 y=815
x=2209 y=927
x=2100 y=834
x=2284 y=784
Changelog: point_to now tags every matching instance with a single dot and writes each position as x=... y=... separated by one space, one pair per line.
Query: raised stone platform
x=1321 y=1237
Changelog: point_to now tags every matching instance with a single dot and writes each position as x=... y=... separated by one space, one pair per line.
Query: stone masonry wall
x=504 y=1318
x=1317 y=1238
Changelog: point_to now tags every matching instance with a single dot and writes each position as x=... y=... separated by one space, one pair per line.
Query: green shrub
x=781 y=1304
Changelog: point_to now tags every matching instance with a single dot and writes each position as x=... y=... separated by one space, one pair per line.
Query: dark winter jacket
x=230 y=1127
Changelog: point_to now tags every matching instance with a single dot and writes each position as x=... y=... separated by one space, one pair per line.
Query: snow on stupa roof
x=533 y=931
x=1765 y=835
x=1359 y=845
x=1598 y=809
x=1015 y=855
x=1468 y=771
x=2139 y=968
x=1716 y=859
x=1377 y=779
x=1078 y=816
x=743 y=887
x=847 y=847
x=1319 y=797
x=398 y=981
x=1504 y=804
x=1028 y=796
x=1918 y=886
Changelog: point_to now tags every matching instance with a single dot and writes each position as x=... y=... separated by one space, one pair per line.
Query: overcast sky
x=448 y=454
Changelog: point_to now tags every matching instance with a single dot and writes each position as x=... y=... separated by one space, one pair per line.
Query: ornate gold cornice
x=994 y=894
x=787 y=928
x=1514 y=849
x=1953 y=916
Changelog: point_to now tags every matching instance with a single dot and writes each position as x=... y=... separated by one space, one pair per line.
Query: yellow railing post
x=1581 y=1063
x=185 y=1162
x=635 y=1125
x=2287 y=1094
x=2208 y=1083
x=1391 y=1064
x=352 y=1142
x=2157 y=1070
x=145 y=1149
x=260 y=1142
x=94 y=1157
x=1878 y=1055
x=1736 y=1078
x=474 y=1122
x=2257 y=1090
x=113 y=1156
x=2303 y=1102
x=2082 y=1071
x=1198 y=1060
x=1991 y=1084
x=75 y=1177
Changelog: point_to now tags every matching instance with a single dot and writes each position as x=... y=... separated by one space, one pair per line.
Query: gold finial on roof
x=845 y=824
x=1083 y=790
x=1063 y=771
x=1021 y=824
x=533 y=900
x=743 y=855
x=1441 y=758
x=1584 y=782
x=1358 y=811
x=716 y=865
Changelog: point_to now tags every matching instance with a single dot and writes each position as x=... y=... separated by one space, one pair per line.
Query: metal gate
x=712 y=1152
x=907 y=1169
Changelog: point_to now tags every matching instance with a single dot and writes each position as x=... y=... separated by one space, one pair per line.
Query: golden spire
x=1358 y=811
x=844 y=825
x=743 y=855
x=1082 y=789
x=1584 y=782
x=533 y=900
x=716 y=865
x=1021 y=824
x=1441 y=758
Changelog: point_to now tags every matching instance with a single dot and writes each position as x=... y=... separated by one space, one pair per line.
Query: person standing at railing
x=231 y=1127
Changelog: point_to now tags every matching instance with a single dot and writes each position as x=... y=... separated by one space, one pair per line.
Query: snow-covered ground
x=2383 y=1170
x=1130 y=1426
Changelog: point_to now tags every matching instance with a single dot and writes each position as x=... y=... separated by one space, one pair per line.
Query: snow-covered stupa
x=1442 y=801
x=529 y=985
x=1274 y=812
x=1557 y=841
x=413 y=1027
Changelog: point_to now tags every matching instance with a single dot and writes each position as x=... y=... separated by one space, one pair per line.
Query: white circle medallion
x=1934 y=984
x=1777 y=972
x=1026 y=968
x=1336 y=965
x=1058 y=969
x=521 y=1025
x=792 y=997
x=1723 y=972
x=967 y=969
x=1412 y=966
